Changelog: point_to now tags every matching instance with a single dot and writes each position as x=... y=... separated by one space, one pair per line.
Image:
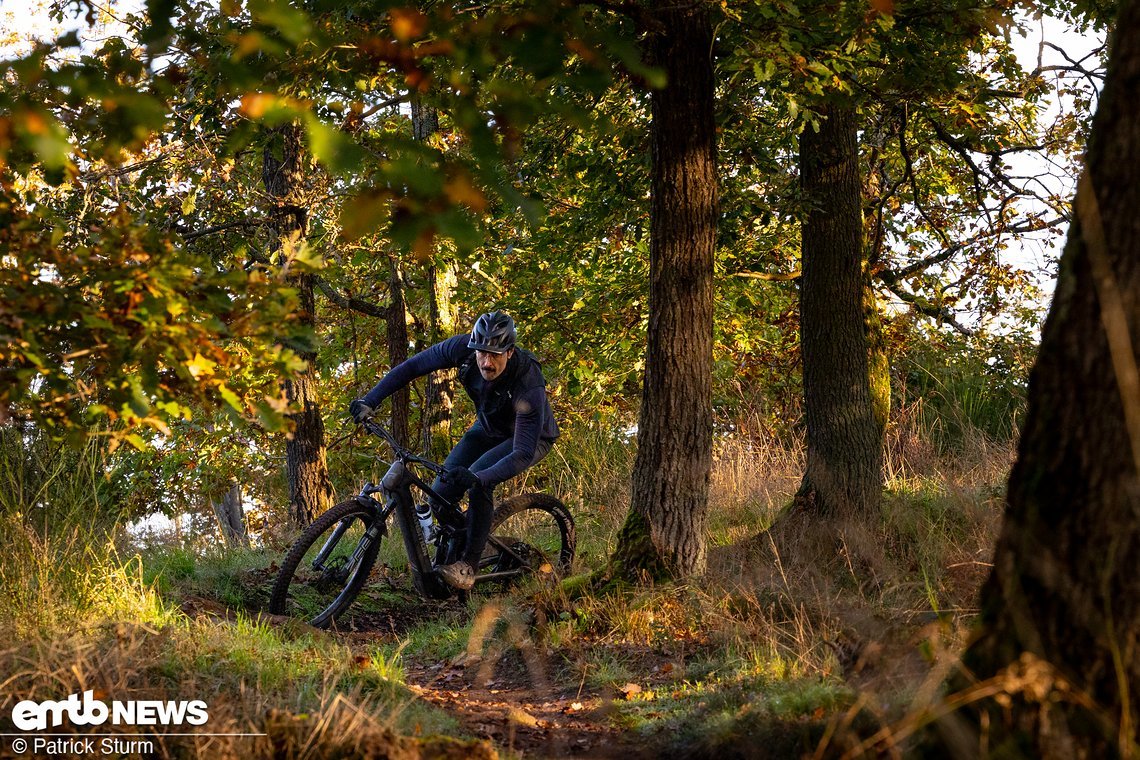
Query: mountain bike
x=329 y=564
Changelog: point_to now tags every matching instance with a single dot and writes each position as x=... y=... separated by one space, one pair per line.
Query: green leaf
x=230 y=398
x=270 y=419
x=291 y=23
x=333 y=148
x=46 y=137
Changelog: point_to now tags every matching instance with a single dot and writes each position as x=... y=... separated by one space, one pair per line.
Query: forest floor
x=798 y=642
x=784 y=654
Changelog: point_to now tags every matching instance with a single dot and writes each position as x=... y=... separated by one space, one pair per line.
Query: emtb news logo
x=88 y=711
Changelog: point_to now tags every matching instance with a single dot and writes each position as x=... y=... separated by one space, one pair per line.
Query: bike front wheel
x=328 y=565
x=530 y=534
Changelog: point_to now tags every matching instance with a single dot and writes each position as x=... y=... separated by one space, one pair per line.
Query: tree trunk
x=310 y=491
x=663 y=536
x=231 y=517
x=1063 y=600
x=425 y=120
x=844 y=452
x=398 y=350
x=439 y=397
x=878 y=360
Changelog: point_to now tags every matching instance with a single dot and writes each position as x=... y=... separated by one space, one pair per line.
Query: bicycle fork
x=372 y=534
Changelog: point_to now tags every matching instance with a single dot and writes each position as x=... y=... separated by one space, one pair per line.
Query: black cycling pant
x=477 y=450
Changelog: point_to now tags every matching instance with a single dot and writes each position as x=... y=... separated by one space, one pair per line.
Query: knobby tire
x=551 y=516
x=314 y=533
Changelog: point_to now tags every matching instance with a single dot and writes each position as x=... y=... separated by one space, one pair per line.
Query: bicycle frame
x=396 y=488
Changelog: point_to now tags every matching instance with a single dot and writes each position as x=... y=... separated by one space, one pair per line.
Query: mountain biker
x=514 y=424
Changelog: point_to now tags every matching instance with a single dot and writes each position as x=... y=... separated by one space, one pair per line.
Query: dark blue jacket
x=513 y=404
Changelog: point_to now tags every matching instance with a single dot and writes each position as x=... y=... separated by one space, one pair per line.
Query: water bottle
x=423 y=514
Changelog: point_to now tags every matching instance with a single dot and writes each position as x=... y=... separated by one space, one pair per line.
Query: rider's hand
x=360 y=411
x=460 y=476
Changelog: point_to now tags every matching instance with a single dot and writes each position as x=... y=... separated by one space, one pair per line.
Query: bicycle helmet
x=494 y=332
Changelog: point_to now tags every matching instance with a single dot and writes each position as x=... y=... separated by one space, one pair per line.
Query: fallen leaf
x=630 y=689
x=522 y=717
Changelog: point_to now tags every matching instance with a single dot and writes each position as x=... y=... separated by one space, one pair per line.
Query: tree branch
x=769 y=276
x=195 y=234
x=929 y=309
x=349 y=302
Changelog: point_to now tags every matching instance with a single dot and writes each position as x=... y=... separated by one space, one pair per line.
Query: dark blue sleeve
x=448 y=353
x=528 y=427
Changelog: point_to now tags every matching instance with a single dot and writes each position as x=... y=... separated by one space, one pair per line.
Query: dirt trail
x=514 y=696
x=543 y=722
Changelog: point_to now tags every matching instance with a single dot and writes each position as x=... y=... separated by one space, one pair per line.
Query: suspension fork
x=372 y=534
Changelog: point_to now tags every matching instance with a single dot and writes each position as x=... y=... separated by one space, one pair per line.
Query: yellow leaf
x=200 y=366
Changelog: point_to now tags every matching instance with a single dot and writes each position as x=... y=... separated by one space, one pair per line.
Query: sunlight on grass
x=76 y=615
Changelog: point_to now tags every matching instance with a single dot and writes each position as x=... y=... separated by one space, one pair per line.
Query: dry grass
x=866 y=615
x=75 y=616
x=837 y=618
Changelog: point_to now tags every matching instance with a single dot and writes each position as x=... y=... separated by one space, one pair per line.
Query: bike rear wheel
x=530 y=534
x=327 y=566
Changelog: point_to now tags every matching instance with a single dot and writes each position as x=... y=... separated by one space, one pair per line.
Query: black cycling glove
x=360 y=411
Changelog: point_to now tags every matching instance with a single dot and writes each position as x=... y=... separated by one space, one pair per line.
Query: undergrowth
x=777 y=643
x=75 y=615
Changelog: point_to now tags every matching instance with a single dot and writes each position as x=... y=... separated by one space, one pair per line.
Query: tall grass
x=78 y=613
x=776 y=636
x=54 y=485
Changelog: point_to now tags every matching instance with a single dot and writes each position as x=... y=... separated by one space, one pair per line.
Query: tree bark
x=439 y=397
x=310 y=490
x=1061 y=609
x=844 y=451
x=663 y=536
x=231 y=517
x=398 y=350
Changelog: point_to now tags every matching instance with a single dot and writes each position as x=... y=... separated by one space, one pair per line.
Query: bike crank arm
x=503 y=546
x=502 y=575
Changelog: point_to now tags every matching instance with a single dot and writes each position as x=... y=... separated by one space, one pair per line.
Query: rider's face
x=492 y=365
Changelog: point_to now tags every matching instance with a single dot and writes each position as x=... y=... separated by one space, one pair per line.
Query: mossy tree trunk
x=439 y=397
x=310 y=490
x=663 y=536
x=398 y=349
x=844 y=447
x=1061 y=608
x=878 y=360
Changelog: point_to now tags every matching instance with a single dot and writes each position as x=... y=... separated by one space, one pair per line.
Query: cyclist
x=514 y=424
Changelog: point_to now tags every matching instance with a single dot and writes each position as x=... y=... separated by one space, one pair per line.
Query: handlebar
x=405 y=454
